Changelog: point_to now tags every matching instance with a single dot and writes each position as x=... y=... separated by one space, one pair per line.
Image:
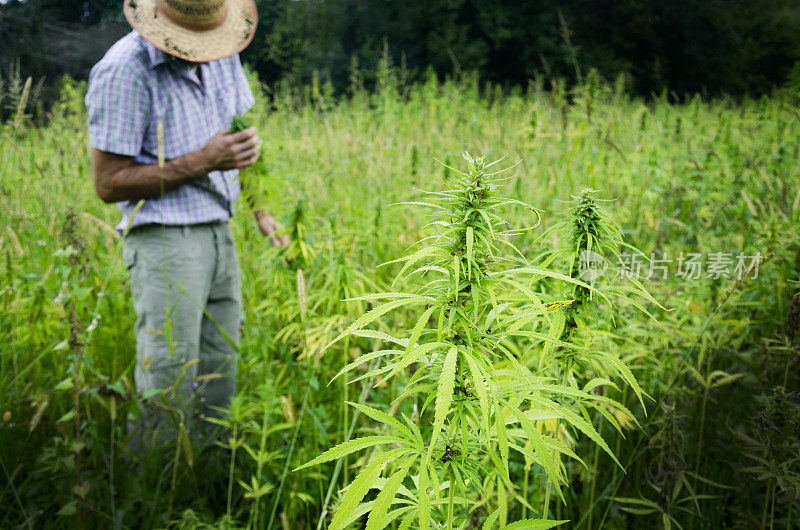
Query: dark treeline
x=710 y=47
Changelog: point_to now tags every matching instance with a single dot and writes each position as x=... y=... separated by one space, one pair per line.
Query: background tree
x=710 y=47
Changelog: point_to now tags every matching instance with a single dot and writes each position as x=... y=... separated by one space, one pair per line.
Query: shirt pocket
x=225 y=99
x=181 y=113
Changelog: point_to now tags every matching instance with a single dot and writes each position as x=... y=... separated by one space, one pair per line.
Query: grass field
x=706 y=187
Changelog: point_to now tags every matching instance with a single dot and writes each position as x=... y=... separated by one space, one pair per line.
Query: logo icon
x=591 y=265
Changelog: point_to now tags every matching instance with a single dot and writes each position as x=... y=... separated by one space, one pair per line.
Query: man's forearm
x=144 y=181
x=117 y=178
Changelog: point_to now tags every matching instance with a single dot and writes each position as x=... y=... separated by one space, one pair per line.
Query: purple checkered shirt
x=135 y=86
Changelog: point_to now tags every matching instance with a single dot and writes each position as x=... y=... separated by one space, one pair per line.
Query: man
x=179 y=72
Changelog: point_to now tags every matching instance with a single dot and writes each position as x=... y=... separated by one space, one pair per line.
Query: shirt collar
x=156 y=56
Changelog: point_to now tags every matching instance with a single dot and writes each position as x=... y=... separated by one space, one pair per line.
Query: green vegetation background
x=701 y=177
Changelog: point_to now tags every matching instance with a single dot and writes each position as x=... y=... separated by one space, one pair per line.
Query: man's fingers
x=252 y=160
x=279 y=241
x=247 y=134
x=250 y=143
x=250 y=154
x=247 y=158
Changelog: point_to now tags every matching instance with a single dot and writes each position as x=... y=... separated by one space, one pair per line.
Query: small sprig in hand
x=267 y=224
x=240 y=122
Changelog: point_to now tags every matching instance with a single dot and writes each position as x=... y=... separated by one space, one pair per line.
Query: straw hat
x=195 y=30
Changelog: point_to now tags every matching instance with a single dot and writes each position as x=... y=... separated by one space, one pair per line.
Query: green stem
x=772 y=508
x=546 y=507
x=254 y=512
x=764 y=511
x=700 y=433
x=450 y=502
x=76 y=350
x=525 y=490
x=230 y=470
x=345 y=399
x=111 y=460
x=175 y=469
x=594 y=482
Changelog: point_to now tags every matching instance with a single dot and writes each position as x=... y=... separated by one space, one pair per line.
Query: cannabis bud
x=240 y=122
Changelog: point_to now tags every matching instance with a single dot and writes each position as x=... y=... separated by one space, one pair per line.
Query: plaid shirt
x=135 y=86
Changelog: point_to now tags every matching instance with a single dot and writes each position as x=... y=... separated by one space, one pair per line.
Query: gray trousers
x=187 y=297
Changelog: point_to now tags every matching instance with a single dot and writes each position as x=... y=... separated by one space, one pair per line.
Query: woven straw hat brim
x=231 y=37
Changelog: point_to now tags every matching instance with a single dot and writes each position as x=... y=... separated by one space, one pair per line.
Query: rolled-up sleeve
x=118 y=103
x=244 y=94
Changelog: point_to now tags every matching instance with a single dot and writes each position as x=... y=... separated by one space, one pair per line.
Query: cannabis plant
x=594 y=242
x=477 y=315
x=593 y=247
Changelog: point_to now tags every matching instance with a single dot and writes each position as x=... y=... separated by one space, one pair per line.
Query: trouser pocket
x=128 y=255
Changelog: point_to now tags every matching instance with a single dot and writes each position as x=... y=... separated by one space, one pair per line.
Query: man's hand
x=227 y=150
x=269 y=227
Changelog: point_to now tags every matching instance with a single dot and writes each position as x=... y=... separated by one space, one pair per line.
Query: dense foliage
x=711 y=357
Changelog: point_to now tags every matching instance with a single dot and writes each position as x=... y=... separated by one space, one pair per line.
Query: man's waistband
x=144 y=227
